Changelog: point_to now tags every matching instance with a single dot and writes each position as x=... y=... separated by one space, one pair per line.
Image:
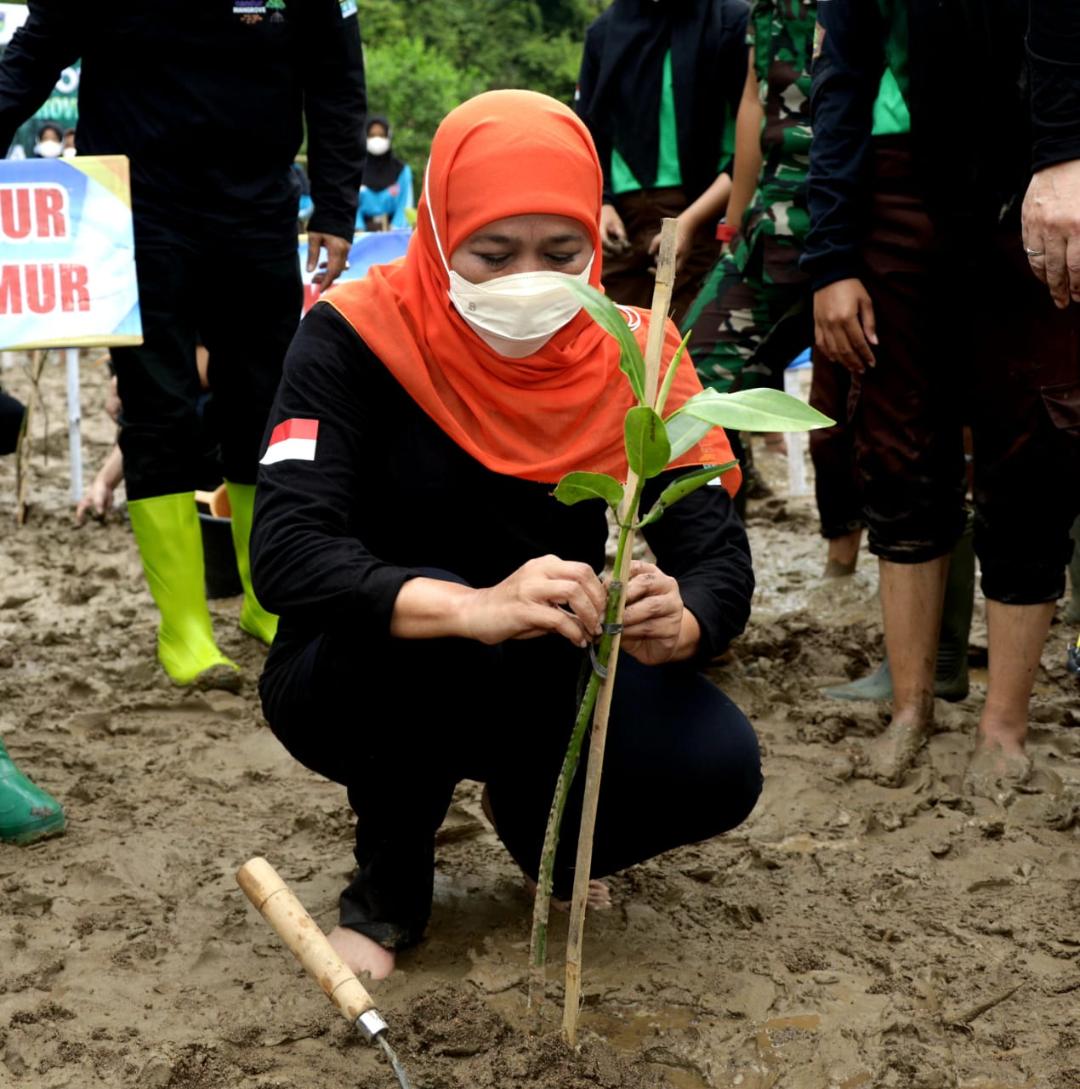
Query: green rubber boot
x=951 y=670
x=27 y=812
x=170 y=544
x=1072 y=610
x=254 y=619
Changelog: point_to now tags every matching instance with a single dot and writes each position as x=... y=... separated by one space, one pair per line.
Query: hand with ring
x=1051 y=226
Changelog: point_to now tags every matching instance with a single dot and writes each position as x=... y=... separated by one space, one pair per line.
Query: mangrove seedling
x=652 y=441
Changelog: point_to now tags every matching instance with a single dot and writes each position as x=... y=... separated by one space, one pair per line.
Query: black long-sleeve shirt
x=970 y=130
x=1054 y=54
x=208 y=102
x=388 y=492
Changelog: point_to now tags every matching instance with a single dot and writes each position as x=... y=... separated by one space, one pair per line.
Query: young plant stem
x=545 y=876
x=628 y=516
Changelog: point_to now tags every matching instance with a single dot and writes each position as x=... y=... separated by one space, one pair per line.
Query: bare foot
x=361 y=954
x=995 y=771
x=599 y=898
x=893 y=752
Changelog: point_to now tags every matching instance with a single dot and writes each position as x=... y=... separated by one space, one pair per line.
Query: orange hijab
x=561 y=409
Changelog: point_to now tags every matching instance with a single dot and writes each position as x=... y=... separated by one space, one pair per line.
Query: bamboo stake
x=665 y=282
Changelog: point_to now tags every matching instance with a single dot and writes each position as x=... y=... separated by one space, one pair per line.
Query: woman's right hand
x=544 y=596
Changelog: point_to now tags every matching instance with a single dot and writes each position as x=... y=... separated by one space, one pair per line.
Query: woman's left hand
x=653 y=618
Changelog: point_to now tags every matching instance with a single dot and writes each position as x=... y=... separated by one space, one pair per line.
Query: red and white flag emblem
x=292 y=440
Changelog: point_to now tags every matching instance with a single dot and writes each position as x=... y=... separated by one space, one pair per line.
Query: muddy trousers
x=401 y=722
x=968 y=336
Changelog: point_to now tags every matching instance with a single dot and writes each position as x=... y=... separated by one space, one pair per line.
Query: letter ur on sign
x=33 y=213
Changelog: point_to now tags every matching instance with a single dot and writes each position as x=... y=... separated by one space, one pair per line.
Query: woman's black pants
x=400 y=723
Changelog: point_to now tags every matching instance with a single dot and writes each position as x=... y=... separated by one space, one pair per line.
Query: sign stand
x=71 y=361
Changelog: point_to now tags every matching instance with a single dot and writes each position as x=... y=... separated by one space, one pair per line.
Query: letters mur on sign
x=36 y=214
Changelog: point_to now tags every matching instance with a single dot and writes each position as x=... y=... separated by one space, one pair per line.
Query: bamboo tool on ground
x=275 y=901
x=654 y=346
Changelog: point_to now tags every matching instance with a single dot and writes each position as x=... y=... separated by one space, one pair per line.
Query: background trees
x=423 y=57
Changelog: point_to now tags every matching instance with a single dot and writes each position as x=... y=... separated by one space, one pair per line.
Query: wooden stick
x=969 y=1013
x=665 y=282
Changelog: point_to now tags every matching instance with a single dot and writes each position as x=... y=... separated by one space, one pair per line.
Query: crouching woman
x=436 y=601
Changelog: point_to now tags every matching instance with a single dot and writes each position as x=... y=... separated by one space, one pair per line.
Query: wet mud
x=849 y=935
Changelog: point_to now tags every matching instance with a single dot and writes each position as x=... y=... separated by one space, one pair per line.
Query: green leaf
x=576 y=487
x=612 y=320
x=647 y=447
x=754 y=410
x=685 y=432
x=676 y=359
x=682 y=487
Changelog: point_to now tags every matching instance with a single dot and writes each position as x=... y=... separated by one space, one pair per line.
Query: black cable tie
x=600 y=670
x=612 y=629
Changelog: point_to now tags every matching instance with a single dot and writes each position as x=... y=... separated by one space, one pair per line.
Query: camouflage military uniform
x=758 y=281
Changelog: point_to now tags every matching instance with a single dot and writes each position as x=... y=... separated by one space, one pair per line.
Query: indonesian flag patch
x=292 y=440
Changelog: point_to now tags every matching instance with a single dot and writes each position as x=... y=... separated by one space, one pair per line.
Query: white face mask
x=514 y=315
x=48 y=149
x=69 y=153
x=378 y=145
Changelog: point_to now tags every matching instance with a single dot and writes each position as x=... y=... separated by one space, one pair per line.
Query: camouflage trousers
x=746 y=327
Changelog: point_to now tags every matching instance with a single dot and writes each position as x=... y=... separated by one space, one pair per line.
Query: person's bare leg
x=843 y=555
x=911 y=597
x=361 y=954
x=1016 y=636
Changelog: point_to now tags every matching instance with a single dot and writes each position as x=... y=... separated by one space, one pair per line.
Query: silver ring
x=1034 y=253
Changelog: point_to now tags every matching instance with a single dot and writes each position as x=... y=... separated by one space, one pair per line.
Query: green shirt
x=891 y=115
x=668 y=171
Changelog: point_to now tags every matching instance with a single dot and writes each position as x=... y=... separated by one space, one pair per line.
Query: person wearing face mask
x=210 y=104
x=387 y=192
x=436 y=601
x=659 y=88
x=50 y=142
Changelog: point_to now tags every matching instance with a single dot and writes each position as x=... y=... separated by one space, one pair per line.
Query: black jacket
x=1054 y=52
x=388 y=493
x=970 y=122
x=621 y=73
x=207 y=98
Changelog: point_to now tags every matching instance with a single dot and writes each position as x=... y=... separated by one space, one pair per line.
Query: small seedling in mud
x=652 y=442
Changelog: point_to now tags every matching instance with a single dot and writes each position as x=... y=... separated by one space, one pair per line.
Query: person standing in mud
x=658 y=89
x=209 y=103
x=923 y=291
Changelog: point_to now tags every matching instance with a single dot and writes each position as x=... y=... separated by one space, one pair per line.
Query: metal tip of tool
x=391 y=1054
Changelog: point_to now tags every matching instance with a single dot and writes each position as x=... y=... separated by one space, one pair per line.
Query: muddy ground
x=849 y=935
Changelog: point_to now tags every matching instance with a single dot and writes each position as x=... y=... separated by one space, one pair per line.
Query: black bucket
x=222 y=575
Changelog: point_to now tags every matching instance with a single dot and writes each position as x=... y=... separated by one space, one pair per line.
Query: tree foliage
x=423 y=57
